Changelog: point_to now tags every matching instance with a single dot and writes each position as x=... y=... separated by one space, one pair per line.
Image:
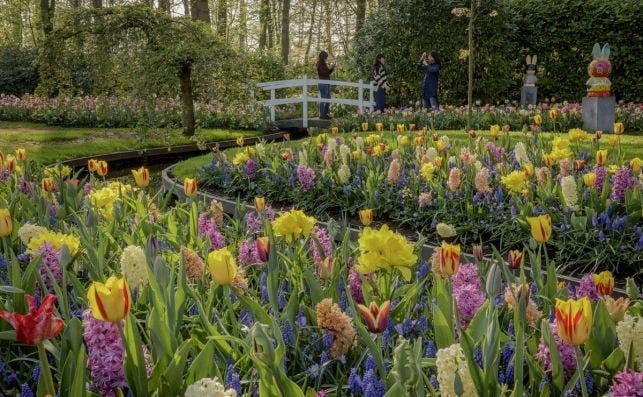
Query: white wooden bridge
x=306 y=98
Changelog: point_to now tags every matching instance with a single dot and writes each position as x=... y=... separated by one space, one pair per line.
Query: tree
x=200 y=11
x=222 y=18
x=360 y=15
x=285 y=30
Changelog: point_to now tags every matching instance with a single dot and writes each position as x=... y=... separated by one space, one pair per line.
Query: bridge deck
x=299 y=123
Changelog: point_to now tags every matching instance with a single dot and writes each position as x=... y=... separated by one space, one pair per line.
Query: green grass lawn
x=631 y=146
x=49 y=144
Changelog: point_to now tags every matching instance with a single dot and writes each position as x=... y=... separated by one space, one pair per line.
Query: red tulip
x=376 y=317
x=38 y=324
x=263 y=248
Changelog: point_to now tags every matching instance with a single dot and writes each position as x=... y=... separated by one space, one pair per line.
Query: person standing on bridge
x=381 y=83
x=430 y=64
x=324 y=72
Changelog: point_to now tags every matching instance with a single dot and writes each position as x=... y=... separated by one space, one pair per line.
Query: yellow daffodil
x=293 y=224
x=515 y=181
x=384 y=249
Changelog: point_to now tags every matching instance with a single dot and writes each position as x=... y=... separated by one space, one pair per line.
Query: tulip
x=1 y=160
x=619 y=128
x=6 y=226
x=364 y=126
x=263 y=248
x=495 y=131
x=223 y=266
x=435 y=137
x=286 y=155
x=477 y=251
x=21 y=154
x=366 y=216
x=589 y=179
x=449 y=259
x=548 y=159
x=48 y=184
x=412 y=127
x=240 y=141
x=38 y=324
x=553 y=113
x=334 y=130
x=110 y=301
x=514 y=258
x=473 y=134
x=528 y=168
x=579 y=165
x=604 y=282
x=613 y=140
x=540 y=227
x=101 y=168
x=598 y=135
x=376 y=317
x=92 y=165
x=325 y=268
x=418 y=140
x=616 y=308
x=379 y=127
x=574 y=320
x=10 y=163
x=636 y=164
x=141 y=177
x=260 y=204
x=538 y=119
x=189 y=187
x=400 y=128
x=601 y=156
x=506 y=127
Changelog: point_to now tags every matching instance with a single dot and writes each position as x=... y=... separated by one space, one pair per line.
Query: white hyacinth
x=209 y=387
x=569 y=191
x=29 y=231
x=134 y=266
x=521 y=154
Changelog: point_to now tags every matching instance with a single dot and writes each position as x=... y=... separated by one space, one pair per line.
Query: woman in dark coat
x=380 y=83
x=430 y=64
x=324 y=72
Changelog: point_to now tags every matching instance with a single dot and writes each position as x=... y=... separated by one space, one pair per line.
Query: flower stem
x=45 y=371
x=581 y=376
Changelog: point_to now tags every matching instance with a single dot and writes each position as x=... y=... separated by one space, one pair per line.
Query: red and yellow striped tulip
x=6 y=226
x=364 y=126
x=48 y=184
x=101 y=168
x=574 y=320
x=366 y=216
x=601 y=157
x=21 y=154
x=376 y=317
x=604 y=282
x=448 y=260
x=110 y=301
x=553 y=113
x=141 y=177
x=514 y=258
x=189 y=186
x=11 y=164
x=540 y=227
x=92 y=164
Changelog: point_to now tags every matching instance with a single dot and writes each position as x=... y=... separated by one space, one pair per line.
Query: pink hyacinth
x=393 y=172
x=482 y=181
x=627 y=384
x=320 y=239
x=467 y=291
x=248 y=254
x=467 y=274
x=305 y=177
x=208 y=227
x=454 y=179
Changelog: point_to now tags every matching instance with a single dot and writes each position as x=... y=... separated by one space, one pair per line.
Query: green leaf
x=602 y=339
x=615 y=362
x=170 y=385
x=8 y=289
x=202 y=364
x=397 y=390
x=135 y=370
x=557 y=373
x=632 y=289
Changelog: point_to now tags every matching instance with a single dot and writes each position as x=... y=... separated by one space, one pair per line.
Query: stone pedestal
x=528 y=95
x=599 y=113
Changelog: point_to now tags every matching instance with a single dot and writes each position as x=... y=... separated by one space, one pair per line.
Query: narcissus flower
x=110 y=301
x=56 y=240
x=385 y=249
x=223 y=266
x=293 y=224
x=515 y=181
x=376 y=317
x=574 y=319
x=6 y=226
x=604 y=282
x=141 y=177
x=189 y=187
x=540 y=227
x=38 y=324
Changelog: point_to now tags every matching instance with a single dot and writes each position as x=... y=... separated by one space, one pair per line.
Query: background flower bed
x=600 y=232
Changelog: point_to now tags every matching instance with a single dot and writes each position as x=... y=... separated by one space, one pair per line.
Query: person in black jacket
x=323 y=71
x=381 y=83
x=430 y=64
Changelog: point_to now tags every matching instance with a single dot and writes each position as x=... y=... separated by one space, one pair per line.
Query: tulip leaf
x=603 y=335
x=396 y=390
x=170 y=385
x=314 y=287
x=8 y=335
x=8 y=289
x=202 y=364
x=135 y=370
x=443 y=331
x=481 y=320
x=476 y=373
x=615 y=362
x=557 y=373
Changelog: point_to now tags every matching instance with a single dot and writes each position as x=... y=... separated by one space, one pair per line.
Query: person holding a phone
x=430 y=64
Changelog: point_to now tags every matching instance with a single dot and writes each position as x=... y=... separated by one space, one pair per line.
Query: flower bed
x=484 y=187
x=136 y=296
x=116 y=112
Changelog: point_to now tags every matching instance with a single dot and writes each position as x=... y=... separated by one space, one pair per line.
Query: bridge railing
x=304 y=83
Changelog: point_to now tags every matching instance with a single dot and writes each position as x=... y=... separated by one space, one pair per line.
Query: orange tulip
x=21 y=154
x=540 y=227
x=376 y=317
x=263 y=248
x=574 y=320
x=604 y=282
x=11 y=163
x=334 y=130
x=240 y=141
x=189 y=186
x=553 y=113
x=92 y=165
x=1 y=160
x=325 y=267
x=101 y=168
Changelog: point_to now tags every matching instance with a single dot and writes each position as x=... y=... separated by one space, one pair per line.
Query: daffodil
x=384 y=249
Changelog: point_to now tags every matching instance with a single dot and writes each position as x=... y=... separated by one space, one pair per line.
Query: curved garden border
x=169 y=183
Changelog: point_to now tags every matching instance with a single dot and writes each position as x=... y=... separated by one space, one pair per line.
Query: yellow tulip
x=619 y=128
x=528 y=168
x=240 y=141
x=10 y=163
x=636 y=164
x=366 y=216
x=540 y=227
x=223 y=266
x=48 y=184
x=21 y=154
x=604 y=282
x=5 y=222
x=110 y=301
x=142 y=177
x=448 y=261
x=574 y=320
x=260 y=204
x=189 y=187
x=1 y=160
x=538 y=119
x=613 y=140
x=494 y=130
x=334 y=130
x=101 y=168
x=379 y=127
x=553 y=113
x=601 y=156
x=589 y=179
x=364 y=126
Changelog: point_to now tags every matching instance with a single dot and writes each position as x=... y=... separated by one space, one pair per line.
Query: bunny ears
x=531 y=60
x=597 y=53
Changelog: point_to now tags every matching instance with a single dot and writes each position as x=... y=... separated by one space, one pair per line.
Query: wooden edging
x=229 y=207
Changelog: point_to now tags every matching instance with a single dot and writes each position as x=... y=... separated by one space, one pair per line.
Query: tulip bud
x=6 y=225
x=263 y=248
x=538 y=119
x=10 y=163
x=579 y=165
x=101 y=168
x=240 y=141
x=92 y=165
x=189 y=187
x=110 y=301
x=334 y=130
x=473 y=134
x=412 y=127
x=21 y=154
x=619 y=128
x=141 y=177
x=223 y=266
x=48 y=185
x=366 y=216
x=379 y=127
x=325 y=268
x=604 y=282
x=477 y=252
x=574 y=320
x=260 y=204
x=514 y=259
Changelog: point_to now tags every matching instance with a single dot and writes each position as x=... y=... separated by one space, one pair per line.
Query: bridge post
x=272 y=105
x=360 y=96
x=371 y=97
x=305 y=103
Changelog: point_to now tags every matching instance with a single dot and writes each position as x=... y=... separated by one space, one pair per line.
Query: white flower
x=303 y=157
x=134 y=265
x=209 y=387
x=359 y=143
x=331 y=144
x=431 y=154
x=445 y=230
x=261 y=149
x=451 y=362
x=28 y=231
x=568 y=189
x=520 y=152
x=344 y=174
x=630 y=333
x=345 y=153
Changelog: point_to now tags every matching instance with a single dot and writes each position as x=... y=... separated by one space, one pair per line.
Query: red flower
x=38 y=324
x=376 y=317
x=263 y=248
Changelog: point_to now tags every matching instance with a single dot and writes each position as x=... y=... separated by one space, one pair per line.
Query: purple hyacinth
x=250 y=168
x=24 y=185
x=467 y=274
x=621 y=183
x=372 y=386
x=208 y=227
x=469 y=299
x=320 y=239
x=627 y=384
x=49 y=260
x=355 y=283
x=232 y=379
x=587 y=288
x=305 y=177
x=248 y=254
x=254 y=220
x=600 y=173
x=565 y=350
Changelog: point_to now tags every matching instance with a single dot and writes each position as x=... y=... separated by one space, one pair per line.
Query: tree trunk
x=187 y=99
x=243 y=25
x=222 y=18
x=360 y=15
x=328 y=27
x=285 y=31
x=164 y=5
x=264 y=22
x=186 y=8
x=470 y=87
x=310 y=33
x=97 y=3
x=200 y=11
